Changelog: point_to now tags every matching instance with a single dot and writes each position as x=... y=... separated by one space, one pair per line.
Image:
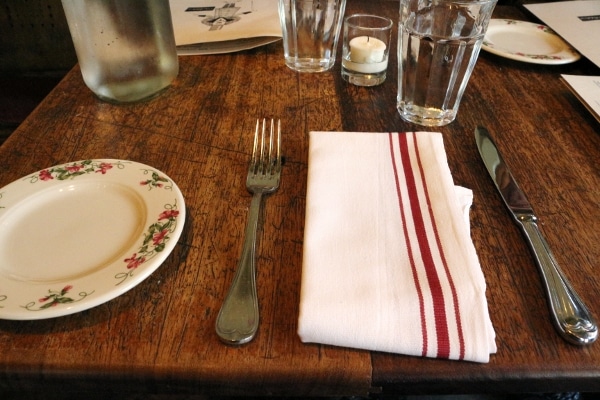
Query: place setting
x=387 y=232
x=386 y=236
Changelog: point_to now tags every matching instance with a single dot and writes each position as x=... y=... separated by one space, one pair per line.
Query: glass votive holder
x=366 y=46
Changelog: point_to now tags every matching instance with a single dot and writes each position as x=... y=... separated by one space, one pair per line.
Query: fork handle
x=237 y=321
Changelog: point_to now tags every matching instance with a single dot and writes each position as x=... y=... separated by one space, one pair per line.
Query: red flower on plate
x=155 y=241
x=46 y=175
x=134 y=261
x=56 y=297
x=159 y=237
x=149 y=182
x=168 y=214
x=73 y=168
x=104 y=167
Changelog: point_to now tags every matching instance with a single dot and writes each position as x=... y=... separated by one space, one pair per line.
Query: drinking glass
x=438 y=45
x=310 y=29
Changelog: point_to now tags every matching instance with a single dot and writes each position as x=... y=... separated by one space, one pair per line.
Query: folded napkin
x=389 y=264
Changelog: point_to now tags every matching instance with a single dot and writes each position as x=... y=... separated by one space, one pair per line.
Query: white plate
x=77 y=235
x=524 y=41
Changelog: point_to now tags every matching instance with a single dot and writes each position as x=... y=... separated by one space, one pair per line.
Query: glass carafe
x=125 y=48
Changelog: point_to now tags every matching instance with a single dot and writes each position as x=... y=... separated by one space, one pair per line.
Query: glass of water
x=438 y=46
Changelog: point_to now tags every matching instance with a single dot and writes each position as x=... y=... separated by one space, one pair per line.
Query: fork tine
x=275 y=158
x=270 y=162
x=263 y=153
x=278 y=161
x=254 y=159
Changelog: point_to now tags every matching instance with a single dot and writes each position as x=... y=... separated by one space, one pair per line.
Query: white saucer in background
x=527 y=42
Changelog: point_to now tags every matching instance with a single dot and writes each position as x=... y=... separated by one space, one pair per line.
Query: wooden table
x=159 y=337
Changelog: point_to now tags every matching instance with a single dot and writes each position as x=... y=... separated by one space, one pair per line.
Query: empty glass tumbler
x=125 y=48
x=310 y=29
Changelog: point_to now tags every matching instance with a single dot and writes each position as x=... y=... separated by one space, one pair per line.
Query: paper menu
x=223 y=26
x=587 y=89
x=578 y=22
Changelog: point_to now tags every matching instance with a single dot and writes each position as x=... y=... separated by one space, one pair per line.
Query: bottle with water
x=125 y=48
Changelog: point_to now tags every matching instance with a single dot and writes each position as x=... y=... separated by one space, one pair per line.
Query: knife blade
x=570 y=316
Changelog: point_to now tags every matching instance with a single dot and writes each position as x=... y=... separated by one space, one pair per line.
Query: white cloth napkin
x=389 y=264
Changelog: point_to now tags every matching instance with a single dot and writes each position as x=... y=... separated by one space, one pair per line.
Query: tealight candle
x=366 y=49
x=367 y=55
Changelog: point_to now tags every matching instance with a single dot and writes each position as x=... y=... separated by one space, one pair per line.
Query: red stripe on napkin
x=415 y=181
x=410 y=253
x=443 y=258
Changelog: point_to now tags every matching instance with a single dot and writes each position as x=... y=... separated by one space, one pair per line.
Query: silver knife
x=570 y=316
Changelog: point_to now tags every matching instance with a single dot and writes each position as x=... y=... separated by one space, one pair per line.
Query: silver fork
x=237 y=321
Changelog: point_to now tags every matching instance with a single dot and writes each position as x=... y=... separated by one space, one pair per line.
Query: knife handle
x=570 y=316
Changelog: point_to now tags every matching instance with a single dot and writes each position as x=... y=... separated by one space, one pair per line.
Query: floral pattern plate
x=77 y=235
x=528 y=42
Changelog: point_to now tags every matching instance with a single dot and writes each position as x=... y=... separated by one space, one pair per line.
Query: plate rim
x=64 y=296
x=567 y=55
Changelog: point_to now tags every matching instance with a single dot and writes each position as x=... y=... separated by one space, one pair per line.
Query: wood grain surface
x=159 y=337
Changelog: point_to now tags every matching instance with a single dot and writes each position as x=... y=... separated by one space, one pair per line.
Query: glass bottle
x=125 y=48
